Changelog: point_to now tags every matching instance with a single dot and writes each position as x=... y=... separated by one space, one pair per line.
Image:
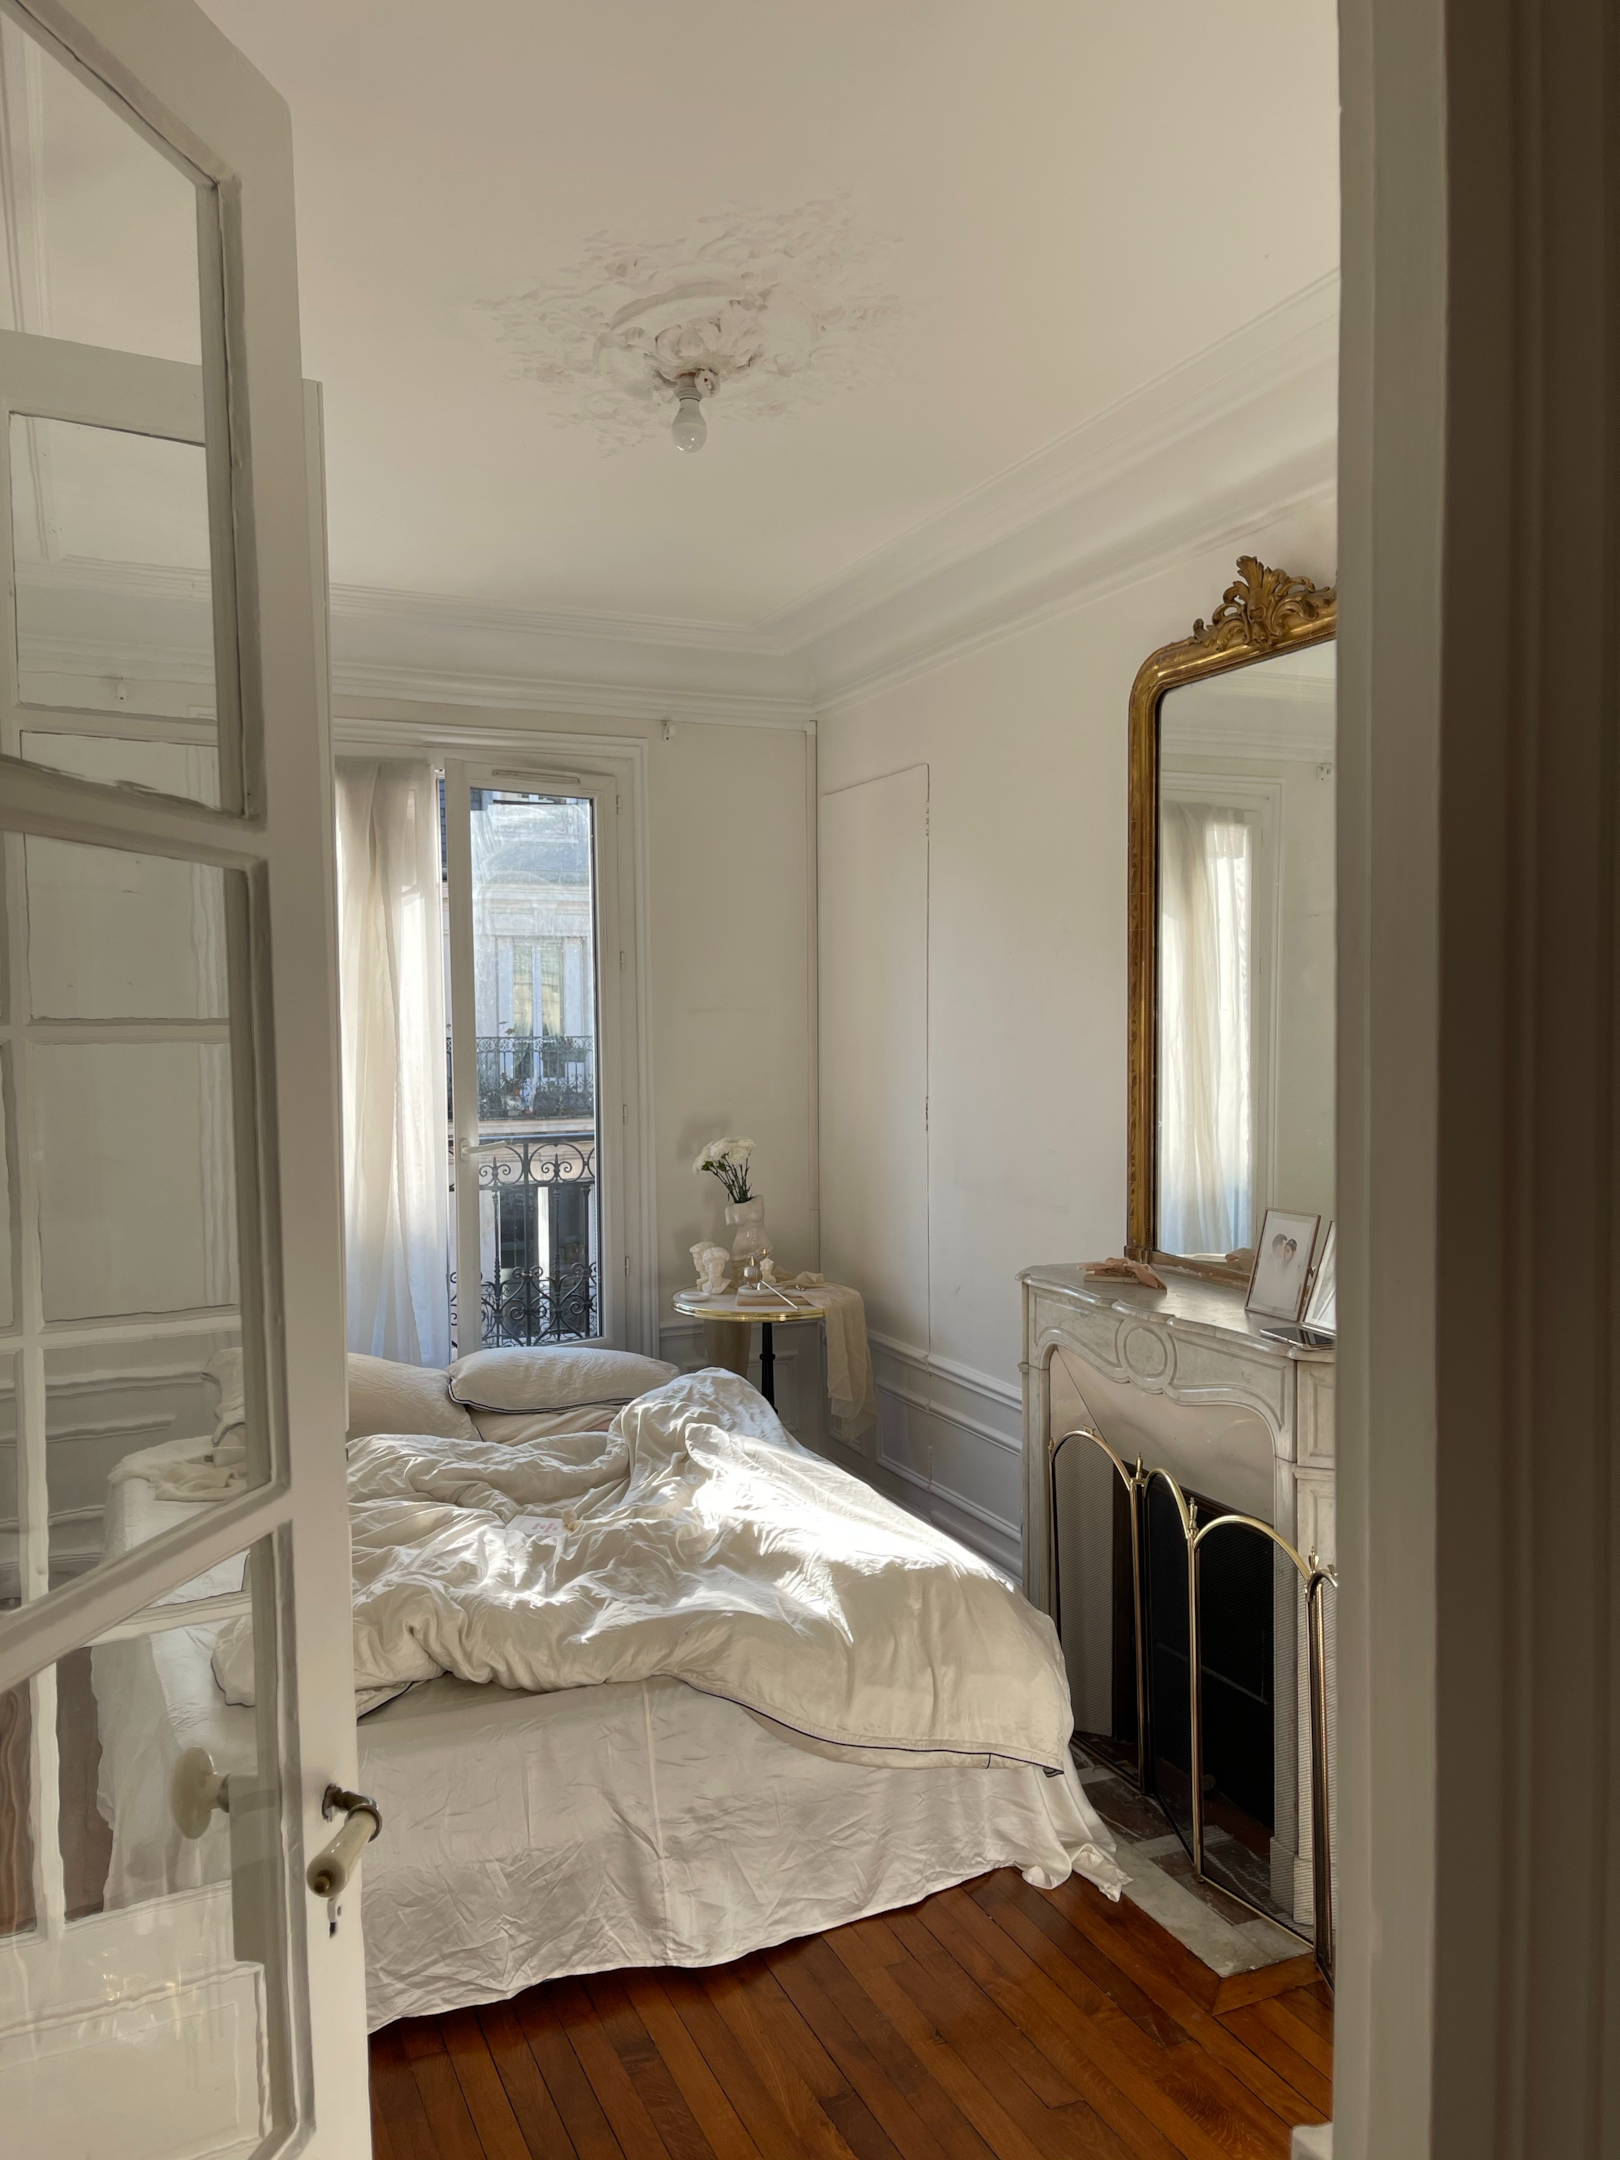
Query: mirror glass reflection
x=1245 y=952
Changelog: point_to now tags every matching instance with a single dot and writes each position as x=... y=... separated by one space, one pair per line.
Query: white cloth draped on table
x=391 y=974
x=1206 y=1137
x=851 y=1391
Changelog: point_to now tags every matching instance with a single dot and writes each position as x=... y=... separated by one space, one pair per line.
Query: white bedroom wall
x=1025 y=744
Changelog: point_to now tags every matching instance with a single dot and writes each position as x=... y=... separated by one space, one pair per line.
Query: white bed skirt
x=528 y=1836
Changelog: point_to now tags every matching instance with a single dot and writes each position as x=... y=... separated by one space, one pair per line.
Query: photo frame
x=1282 y=1265
x=1321 y=1309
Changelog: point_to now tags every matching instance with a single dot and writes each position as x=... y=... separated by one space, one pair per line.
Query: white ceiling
x=1078 y=197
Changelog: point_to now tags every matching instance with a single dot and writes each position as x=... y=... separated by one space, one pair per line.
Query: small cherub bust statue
x=710 y=1263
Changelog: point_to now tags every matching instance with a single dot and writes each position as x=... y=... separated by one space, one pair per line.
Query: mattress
x=529 y=1836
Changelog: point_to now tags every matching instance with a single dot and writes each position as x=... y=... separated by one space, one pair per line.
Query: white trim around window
x=612 y=768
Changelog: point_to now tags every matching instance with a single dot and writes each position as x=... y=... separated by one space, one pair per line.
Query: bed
x=628 y=1823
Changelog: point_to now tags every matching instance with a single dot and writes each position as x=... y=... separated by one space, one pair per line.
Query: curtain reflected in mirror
x=1245 y=952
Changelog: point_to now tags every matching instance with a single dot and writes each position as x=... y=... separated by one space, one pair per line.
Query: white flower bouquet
x=727 y=1159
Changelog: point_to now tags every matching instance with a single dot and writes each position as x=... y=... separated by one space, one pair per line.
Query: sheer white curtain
x=1206 y=1119
x=391 y=975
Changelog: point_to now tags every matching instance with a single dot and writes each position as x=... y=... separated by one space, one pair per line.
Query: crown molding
x=1224 y=442
x=587 y=696
x=1265 y=358
x=1239 y=435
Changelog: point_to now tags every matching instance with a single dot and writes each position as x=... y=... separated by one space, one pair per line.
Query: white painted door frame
x=166 y=67
x=1478 y=1096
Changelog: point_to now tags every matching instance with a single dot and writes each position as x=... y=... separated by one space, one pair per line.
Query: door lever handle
x=328 y=1873
x=196 y=1788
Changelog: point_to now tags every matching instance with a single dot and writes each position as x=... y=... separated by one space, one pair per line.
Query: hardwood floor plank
x=991 y=2021
x=684 y=2059
x=395 y=2096
x=532 y=2105
x=749 y=2087
x=611 y=2082
x=991 y=1893
x=454 y=2137
x=565 y=2077
x=953 y=1986
x=499 y=2133
x=873 y=2057
x=1250 y=2025
x=977 y=2100
x=1140 y=2089
x=977 y=2031
x=784 y=2027
x=646 y=2068
x=1306 y=2026
x=1185 y=2075
x=1030 y=1916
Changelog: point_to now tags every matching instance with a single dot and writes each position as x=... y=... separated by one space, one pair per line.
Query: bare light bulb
x=691 y=430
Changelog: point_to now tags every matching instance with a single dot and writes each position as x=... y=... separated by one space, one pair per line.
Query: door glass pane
x=110 y=532
x=145 y=1976
x=112 y=935
x=188 y=769
x=137 y=1177
x=141 y=1436
x=534 y=967
x=103 y=226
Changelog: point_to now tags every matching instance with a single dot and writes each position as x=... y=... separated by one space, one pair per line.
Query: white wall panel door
x=170 y=1176
x=874 y=1047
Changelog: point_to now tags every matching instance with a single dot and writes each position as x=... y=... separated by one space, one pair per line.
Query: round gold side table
x=726 y=1326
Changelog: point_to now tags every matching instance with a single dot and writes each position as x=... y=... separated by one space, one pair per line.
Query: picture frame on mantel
x=1282 y=1265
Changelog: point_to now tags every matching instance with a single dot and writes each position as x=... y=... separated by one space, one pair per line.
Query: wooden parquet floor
x=991 y=2020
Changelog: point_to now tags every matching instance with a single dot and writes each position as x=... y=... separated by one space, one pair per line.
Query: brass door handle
x=328 y=1873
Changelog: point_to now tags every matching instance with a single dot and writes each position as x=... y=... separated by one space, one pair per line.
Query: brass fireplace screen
x=1137 y=1485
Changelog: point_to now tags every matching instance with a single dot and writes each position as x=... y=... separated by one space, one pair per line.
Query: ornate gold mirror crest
x=1263 y=612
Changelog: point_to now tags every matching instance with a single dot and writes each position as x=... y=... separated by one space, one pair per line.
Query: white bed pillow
x=556 y=1377
x=383 y=1397
x=390 y=1398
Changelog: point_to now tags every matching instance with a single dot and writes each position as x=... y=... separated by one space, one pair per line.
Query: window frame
x=613 y=769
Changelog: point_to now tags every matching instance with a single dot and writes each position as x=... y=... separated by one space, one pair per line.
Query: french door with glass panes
x=531 y=880
x=171 y=1335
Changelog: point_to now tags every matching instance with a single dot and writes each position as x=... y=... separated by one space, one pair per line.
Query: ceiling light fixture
x=690 y=430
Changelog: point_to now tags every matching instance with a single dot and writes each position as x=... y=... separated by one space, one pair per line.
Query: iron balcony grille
x=543 y=1289
x=535 y=1076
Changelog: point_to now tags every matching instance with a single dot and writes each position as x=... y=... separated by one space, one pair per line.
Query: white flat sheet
x=528 y=1836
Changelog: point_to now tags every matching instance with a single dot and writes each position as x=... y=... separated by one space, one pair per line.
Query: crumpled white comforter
x=694 y=1539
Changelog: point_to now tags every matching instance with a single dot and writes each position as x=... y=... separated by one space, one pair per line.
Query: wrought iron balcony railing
x=536 y=1076
x=534 y=1297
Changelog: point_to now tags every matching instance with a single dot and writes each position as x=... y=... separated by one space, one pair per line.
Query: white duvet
x=695 y=1539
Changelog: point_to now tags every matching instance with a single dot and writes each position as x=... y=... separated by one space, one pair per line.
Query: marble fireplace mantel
x=1184 y=1378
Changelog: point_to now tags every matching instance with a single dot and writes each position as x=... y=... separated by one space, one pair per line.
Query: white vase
x=751 y=1244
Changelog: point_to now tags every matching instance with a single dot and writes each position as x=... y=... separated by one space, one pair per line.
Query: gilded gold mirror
x=1232 y=753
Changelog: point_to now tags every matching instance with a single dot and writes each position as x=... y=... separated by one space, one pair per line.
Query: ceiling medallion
x=764 y=314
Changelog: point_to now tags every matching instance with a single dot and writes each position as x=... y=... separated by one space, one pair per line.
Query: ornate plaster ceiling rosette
x=778 y=311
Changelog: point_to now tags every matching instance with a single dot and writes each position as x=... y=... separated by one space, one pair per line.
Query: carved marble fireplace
x=1185 y=1380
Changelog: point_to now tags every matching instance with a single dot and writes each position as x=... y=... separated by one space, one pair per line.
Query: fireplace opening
x=1237 y=1664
